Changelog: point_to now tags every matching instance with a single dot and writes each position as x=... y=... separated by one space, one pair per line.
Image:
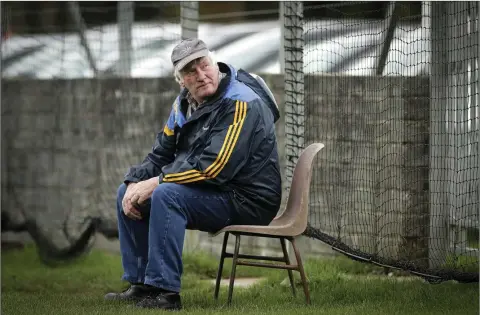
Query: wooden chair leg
x=301 y=270
x=234 y=267
x=287 y=261
x=220 y=267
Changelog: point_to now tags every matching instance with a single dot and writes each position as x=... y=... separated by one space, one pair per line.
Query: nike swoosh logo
x=205 y=128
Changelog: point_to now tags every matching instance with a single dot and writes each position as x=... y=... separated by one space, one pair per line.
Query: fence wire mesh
x=68 y=41
x=74 y=119
x=66 y=144
x=395 y=100
x=392 y=92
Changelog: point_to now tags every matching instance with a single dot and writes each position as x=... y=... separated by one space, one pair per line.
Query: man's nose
x=200 y=74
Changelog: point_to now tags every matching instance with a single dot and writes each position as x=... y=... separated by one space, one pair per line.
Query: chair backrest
x=296 y=212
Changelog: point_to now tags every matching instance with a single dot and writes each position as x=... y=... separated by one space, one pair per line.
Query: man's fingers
x=125 y=199
x=131 y=190
x=128 y=197
x=136 y=205
x=136 y=212
x=131 y=212
x=142 y=199
x=132 y=215
x=134 y=199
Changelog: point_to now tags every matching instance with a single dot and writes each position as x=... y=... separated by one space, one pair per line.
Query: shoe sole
x=172 y=308
x=124 y=299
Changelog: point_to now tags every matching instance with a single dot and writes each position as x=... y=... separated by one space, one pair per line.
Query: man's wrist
x=154 y=180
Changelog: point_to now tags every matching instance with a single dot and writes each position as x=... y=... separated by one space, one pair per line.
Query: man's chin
x=206 y=93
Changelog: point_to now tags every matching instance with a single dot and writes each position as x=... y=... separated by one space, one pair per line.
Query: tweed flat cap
x=188 y=50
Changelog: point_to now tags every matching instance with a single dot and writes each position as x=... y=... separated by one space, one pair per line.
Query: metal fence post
x=189 y=19
x=438 y=240
x=294 y=85
x=125 y=16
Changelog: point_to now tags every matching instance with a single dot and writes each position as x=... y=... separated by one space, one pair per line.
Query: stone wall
x=67 y=144
x=370 y=189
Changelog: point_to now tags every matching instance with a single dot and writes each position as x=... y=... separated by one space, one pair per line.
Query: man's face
x=201 y=78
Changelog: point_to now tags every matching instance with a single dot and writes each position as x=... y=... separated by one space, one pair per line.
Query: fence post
x=189 y=19
x=125 y=17
x=438 y=240
x=476 y=109
x=294 y=85
x=74 y=9
x=387 y=37
x=281 y=20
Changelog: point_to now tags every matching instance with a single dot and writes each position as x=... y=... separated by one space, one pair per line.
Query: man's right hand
x=128 y=208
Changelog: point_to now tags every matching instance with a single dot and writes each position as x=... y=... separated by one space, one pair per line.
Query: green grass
x=462 y=263
x=473 y=237
x=338 y=286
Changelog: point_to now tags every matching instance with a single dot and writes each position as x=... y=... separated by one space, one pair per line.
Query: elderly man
x=215 y=164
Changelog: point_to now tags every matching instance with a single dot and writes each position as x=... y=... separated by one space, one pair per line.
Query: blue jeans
x=151 y=248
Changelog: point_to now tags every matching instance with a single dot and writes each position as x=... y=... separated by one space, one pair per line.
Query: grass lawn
x=338 y=286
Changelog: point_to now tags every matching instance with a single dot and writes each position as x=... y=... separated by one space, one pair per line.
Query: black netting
x=391 y=89
x=85 y=89
x=394 y=98
x=68 y=136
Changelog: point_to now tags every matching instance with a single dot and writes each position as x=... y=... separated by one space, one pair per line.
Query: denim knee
x=122 y=189
x=166 y=196
x=165 y=191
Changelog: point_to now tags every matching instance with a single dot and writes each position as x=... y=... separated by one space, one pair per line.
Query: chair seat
x=277 y=227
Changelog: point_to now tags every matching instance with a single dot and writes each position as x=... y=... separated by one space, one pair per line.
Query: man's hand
x=136 y=194
x=127 y=206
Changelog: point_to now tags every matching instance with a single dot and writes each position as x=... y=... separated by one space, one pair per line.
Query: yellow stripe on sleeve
x=223 y=156
x=229 y=152
x=238 y=126
x=225 y=142
x=168 y=131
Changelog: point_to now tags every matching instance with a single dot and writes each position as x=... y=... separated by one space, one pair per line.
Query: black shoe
x=136 y=292
x=165 y=301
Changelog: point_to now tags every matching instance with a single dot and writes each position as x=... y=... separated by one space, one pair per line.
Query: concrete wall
x=67 y=144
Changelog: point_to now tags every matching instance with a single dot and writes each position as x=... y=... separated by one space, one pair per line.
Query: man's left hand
x=143 y=190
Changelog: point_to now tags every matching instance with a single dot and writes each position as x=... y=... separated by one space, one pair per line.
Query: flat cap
x=188 y=50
